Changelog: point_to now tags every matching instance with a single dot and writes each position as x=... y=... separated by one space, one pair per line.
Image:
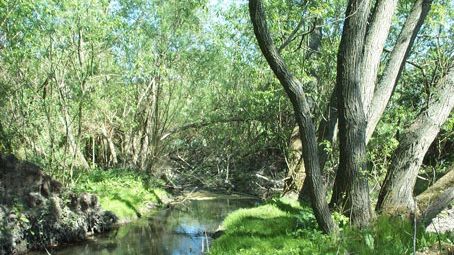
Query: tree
x=362 y=93
x=295 y=92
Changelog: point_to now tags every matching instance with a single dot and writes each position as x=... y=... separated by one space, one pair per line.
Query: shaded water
x=171 y=231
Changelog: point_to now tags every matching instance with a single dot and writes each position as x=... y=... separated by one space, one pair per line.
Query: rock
x=85 y=201
x=444 y=222
x=34 y=199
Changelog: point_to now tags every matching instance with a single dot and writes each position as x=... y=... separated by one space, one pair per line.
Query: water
x=169 y=232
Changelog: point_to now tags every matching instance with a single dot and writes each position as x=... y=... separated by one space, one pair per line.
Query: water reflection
x=170 y=232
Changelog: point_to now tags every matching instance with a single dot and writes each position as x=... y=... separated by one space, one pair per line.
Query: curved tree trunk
x=396 y=195
x=294 y=90
x=437 y=197
x=327 y=132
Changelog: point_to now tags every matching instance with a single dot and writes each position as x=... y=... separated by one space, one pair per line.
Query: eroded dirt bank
x=37 y=212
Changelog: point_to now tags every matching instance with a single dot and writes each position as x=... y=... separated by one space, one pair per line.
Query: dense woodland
x=346 y=103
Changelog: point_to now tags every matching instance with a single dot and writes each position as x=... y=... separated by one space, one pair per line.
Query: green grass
x=285 y=227
x=124 y=192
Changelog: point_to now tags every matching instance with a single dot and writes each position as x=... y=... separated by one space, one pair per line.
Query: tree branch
x=377 y=33
x=292 y=35
x=396 y=63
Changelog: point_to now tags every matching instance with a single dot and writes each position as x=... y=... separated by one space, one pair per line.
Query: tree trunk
x=327 y=129
x=327 y=132
x=296 y=172
x=294 y=90
x=396 y=195
x=351 y=190
x=113 y=153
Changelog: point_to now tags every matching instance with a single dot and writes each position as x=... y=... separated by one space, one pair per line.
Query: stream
x=174 y=231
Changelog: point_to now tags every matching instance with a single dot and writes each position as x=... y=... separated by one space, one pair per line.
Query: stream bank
x=185 y=227
x=37 y=212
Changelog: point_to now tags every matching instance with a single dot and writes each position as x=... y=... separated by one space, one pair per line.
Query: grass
x=124 y=192
x=283 y=226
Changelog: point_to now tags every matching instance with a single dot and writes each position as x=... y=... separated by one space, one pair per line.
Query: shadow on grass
x=263 y=227
x=286 y=207
x=127 y=203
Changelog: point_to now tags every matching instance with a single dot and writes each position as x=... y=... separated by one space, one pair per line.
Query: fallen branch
x=201 y=124
x=437 y=197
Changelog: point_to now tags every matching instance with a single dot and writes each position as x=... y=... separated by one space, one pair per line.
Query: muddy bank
x=37 y=212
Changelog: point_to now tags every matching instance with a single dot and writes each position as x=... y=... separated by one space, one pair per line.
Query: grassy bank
x=129 y=194
x=285 y=227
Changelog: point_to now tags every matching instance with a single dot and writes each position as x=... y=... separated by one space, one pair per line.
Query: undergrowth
x=283 y=226
x=127 y=193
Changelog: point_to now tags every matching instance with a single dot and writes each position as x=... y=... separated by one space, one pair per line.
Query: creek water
x=174 y=231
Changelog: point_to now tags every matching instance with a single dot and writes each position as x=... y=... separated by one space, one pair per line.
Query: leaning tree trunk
x=294 y=90
x=396 y=194
x=437 y=197
x=351 y=190
x=326 y=133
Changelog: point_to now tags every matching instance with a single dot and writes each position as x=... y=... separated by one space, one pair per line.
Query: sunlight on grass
x=126 y=193
x=283 y=226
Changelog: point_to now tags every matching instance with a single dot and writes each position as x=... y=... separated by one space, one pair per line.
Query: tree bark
x=296 y=176
x=396 y=195
x=396 y=63
x=351 y=190
x=294 y=90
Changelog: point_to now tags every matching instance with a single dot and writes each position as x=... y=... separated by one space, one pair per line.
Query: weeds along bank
x=128 y=194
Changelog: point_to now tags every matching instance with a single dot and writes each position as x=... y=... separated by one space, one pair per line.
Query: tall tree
x=295 y=92
x=396 y=195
